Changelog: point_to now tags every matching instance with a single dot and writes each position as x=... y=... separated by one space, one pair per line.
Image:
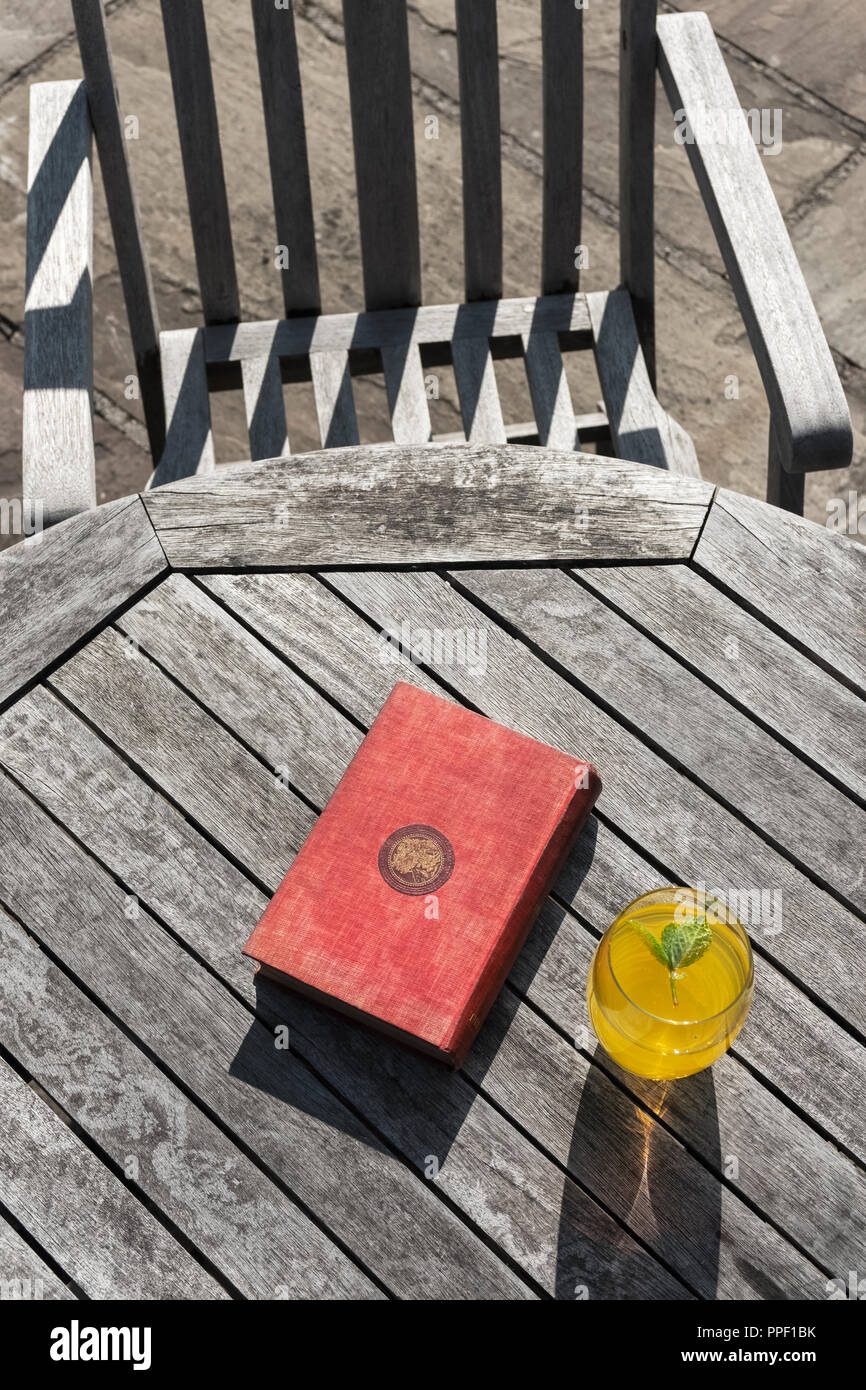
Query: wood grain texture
x=548 y=385
x=653 y=804
x=342 y=656
x=478 y=392
x=688 y=723
x=263 y=1095
x=81 y=1214
x=335 y=403
x=640 y=429
x=57 y=424
x=428 y=505
x=478 y=66
x=807 y=405
x=55 y=587
x=637 y=88
x=748 y=661
x=280 y=78
x=265 y=407
x=195 y=106
x=249 y=1230
x=407 y=396
x=562 y=133
x=380 y=92
x=423 y=326
x=92 y=33
x=806 y=580
x=189 y=444
x=23 y=1272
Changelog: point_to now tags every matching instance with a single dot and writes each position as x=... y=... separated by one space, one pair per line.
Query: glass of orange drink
x=670 y=983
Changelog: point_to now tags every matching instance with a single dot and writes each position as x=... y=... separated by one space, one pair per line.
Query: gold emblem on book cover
x=416 y=859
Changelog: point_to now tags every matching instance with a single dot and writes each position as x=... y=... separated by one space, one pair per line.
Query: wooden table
x=186 y=676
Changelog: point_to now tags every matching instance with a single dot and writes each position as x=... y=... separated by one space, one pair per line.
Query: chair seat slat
x=551 y=398
x=335 y=403
x=476 y=387
x=188 y=440
x=407 y=397
x=265 y=408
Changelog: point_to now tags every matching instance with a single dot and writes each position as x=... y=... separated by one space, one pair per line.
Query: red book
x=410 y=899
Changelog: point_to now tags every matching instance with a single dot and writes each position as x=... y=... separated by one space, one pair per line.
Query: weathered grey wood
x=299 y=735
x=562 y=81
x=687 y=722
x=57 y=426
x=807 y=405
x=23 y=1273
x=265 y=407
x=280 y=78
x=587 y=429
x=639 y=427
x=192 y=85
x=429 y=324
x=478 y=392
x=444 y=1117
x=189 y=444
x=407 y=397
x=340 y=653
x=740 y=655
x=427 y=505
x=55 y=587
x=380 y=91
x=478 y=64
x=637 y=87
x=249 y=1230
x=805 y=579
x=785 y=490
x=652 y=803
x=132 y=262
x=335 y=403
x=81 y=1214
x=263 y=1095
x=548 y=384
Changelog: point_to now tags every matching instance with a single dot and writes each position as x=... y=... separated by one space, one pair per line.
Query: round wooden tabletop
x=186 y=675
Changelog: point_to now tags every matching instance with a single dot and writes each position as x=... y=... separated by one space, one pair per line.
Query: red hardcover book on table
x=410 y=899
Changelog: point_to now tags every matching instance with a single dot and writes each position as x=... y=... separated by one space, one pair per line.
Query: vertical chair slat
x=637 y=87
x=407 y=398
x=478 y=63
x=335 y=403
x=265 y=407
x=132 y=261
x=562 y=59
x=280 y=79
x=195 y=105
x=188 y=437
x=380 y=90
x=476 y=387
x=548 y=386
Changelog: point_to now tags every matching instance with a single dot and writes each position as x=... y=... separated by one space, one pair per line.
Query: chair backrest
x=380 y=89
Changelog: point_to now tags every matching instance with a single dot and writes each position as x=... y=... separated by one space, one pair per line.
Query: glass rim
x=661 y=1018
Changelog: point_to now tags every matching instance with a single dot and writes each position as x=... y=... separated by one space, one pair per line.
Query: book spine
x=520 y=920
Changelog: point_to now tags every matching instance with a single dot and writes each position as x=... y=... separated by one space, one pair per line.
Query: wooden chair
x=395 y=333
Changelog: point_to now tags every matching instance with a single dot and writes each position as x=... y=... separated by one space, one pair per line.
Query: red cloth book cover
x=413 y=894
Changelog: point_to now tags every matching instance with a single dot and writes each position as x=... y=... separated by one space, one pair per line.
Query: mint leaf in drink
x=681 y=944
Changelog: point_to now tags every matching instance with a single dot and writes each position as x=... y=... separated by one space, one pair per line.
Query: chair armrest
x=57 y=454
x=808 y=411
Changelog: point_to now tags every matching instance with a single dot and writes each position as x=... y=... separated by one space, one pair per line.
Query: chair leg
x=784 y=489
